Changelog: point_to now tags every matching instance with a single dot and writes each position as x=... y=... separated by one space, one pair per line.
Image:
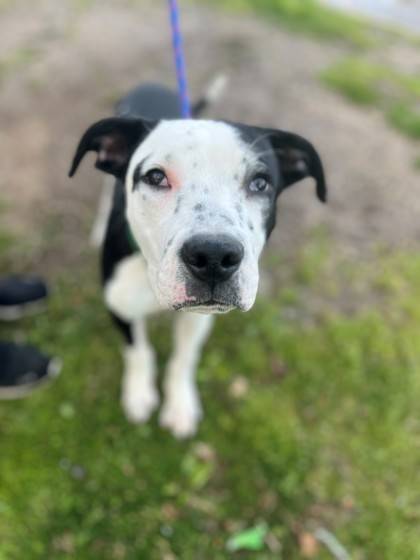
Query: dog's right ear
x=114 y=140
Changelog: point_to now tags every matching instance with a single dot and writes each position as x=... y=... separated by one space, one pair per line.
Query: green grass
x=406 y=119
x=4 y=4
x=327 y=434
x=417 y=163
x=366 y=83
x=310 y=16
x=358 y=80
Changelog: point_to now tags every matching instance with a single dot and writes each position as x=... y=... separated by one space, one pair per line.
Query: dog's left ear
x=114 y=140
x=298 y=159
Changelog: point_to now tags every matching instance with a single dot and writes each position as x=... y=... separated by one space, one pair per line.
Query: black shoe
x=21 y=296
x=23 y=369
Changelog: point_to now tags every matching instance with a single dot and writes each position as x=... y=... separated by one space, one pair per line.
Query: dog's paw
x=139 y=402
x=181 y=412
x=139 y=395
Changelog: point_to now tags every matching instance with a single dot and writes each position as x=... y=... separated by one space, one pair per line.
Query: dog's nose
x=212 y=259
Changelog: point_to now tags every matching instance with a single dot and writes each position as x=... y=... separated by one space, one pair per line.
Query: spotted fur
x=215 y=179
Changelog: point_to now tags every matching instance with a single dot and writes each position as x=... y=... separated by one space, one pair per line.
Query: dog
x=193 y=206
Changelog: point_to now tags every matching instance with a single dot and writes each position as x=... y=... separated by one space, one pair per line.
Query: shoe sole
x=16 y=312
x=21 y=391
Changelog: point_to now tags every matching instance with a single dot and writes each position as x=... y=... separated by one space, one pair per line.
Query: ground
x=310 y=399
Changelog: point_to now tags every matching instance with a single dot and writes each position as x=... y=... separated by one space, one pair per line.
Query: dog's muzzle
x=212 y=262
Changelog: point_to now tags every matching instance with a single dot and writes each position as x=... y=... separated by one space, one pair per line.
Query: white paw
x=139 y=395
x=139 y=404
x=181 y=412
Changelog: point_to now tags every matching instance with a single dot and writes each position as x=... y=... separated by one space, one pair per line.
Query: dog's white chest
x=128 y=293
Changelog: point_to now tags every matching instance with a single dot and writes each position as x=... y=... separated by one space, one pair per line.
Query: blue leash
x=181 y=74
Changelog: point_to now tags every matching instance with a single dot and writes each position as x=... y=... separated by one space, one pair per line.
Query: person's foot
x=21 y=296
x=23 y=368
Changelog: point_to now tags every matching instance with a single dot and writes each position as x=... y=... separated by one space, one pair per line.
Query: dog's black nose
x=212 y=259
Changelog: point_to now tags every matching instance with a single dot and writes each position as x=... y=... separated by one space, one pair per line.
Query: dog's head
x=201 y=200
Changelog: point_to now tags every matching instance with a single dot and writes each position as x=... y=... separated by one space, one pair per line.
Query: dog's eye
x=259 y=184
x=156 y=178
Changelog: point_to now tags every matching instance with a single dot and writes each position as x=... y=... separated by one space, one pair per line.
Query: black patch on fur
x=288 y=158
x=198 y=207
x=115 y=249
x=124 y=327
x=114 y=140
x=116 y=245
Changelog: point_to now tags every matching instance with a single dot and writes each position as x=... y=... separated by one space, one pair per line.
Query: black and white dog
x=194 y=203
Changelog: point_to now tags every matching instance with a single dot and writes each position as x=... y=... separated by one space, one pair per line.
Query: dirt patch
x=76 y=58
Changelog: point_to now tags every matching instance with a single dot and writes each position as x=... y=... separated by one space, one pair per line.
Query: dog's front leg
x=181 y=410
x=139 y=394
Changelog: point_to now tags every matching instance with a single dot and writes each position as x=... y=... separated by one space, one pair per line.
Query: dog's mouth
x=208 y=306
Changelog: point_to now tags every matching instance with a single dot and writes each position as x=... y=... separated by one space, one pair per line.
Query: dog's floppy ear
x=114 y=140
x=298 y=159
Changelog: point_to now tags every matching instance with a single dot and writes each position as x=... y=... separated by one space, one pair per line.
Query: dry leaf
x=239 y=387
x=308 y=545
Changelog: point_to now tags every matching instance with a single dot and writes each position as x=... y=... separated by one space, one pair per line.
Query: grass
x=326 y=432
x=310 y=16
x=417 y=163
x=406 y=119
x=356 y=79
x=366 y=83
x=5 y=4
x=326 y=435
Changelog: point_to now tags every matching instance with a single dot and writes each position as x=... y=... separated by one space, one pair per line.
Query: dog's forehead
x=196 y=143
